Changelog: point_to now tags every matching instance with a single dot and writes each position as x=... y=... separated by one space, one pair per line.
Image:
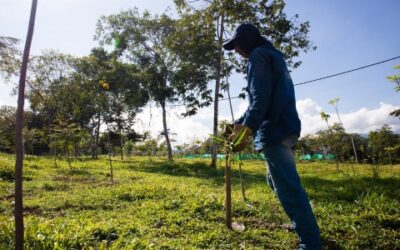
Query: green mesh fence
x=260 y=156
x=221 y=156
x=309 y=157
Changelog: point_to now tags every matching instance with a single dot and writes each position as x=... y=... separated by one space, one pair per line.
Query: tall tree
x=9 y=57
x=168 y=75
x=7 y=128
x=379 y=141
x=287 y=34
x=49 y=79
x=18 y=212
x=126 y=95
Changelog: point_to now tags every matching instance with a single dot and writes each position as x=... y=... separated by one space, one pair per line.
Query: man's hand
x=239 y=137
x=228 y=129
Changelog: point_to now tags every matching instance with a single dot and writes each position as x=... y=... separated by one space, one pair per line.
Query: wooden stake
x=228 y=203
x=241 y=180
x=19 y=147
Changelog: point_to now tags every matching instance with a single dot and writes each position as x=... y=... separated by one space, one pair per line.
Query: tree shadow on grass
x=199 y=170
x=350 y=189
x=346 y=189
x=193 y=169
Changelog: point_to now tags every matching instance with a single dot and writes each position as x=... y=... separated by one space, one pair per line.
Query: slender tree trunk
x=76 y=150
x=217 y=88
x=351 y=136
x=26 y=151
x=354 y=148
x=68 y=156
x=92 y=139
x=109 y=158
x=228 y=196
x=122 y=145
x=336 y=158
x=164 y=117
x=55 y=160
x=97 y=135
x=53 y=149
x=18 y=212
x=241 y=181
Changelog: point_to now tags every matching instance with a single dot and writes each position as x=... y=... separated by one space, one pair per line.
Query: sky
x=348 y=34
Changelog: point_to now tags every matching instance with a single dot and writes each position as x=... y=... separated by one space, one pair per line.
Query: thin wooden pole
x=228 y=197
x=233 y=120
x=241 y=178
x=19 y=147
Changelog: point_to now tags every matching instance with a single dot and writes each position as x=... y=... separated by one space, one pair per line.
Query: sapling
x=229 y=146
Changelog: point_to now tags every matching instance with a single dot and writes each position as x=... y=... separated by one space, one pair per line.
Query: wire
x=321 y=78
x=347 y=71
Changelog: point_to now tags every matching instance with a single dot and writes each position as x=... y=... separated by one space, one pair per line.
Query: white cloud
x=309 y=113
x=308 y=106
x=199 y=127
x=361 y=121
x=365 y=120
x=183 y=130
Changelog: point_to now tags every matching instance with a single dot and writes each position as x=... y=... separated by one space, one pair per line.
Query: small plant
x=229 y=144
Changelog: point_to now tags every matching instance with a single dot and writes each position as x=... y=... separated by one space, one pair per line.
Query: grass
x=179 y=205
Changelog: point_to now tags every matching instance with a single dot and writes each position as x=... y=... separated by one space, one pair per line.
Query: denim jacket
x=272 y=114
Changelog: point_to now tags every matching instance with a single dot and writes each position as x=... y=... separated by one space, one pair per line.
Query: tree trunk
x=109 y=158
x=76 y=150
x=217 y=88
x=92 y=139
x=122 y=145
x=18 y=212
x=164 y=117
x=68 y=156
x=354 y=148
x=228 y=196
x=97 y=135
x=351 y=136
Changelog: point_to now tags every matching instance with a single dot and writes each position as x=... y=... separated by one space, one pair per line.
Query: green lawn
x=159 y=205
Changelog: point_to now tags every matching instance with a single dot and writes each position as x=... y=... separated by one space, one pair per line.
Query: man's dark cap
x=244 y=29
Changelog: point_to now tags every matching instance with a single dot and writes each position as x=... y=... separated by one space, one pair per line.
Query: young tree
x=168 y=75
x=325 y=117
x=395 y=79
x=334 y=103
x=287 y=34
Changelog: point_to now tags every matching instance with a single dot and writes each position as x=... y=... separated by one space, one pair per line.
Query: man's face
x=240 y=51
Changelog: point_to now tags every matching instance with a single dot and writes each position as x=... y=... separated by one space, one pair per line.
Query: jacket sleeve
x=260 y=89
x=241 y=119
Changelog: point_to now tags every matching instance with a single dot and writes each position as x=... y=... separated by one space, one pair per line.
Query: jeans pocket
x=290 y=141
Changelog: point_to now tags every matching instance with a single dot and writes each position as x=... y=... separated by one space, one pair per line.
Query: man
x=273 y=121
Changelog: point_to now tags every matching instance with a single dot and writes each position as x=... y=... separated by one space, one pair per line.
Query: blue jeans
x=284 y=180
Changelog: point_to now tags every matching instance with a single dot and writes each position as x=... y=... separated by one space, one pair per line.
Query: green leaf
x=239 y=137
x=217 y=139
